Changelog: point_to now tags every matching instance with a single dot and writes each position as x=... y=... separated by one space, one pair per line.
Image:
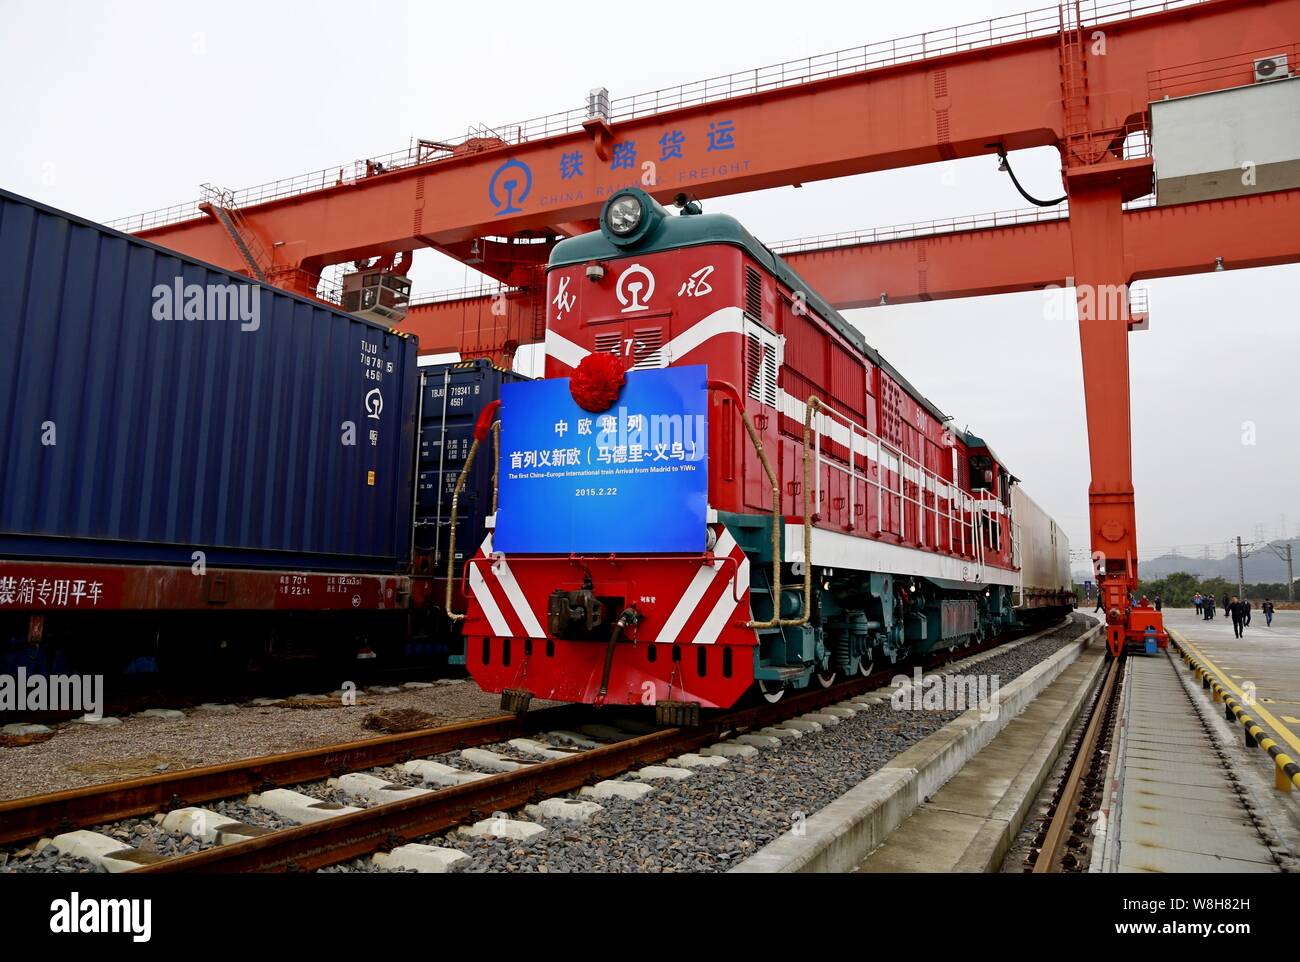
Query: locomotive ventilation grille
x=646 y=345
x=762 y=370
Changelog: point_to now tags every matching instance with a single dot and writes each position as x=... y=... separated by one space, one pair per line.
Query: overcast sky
x=116 y=108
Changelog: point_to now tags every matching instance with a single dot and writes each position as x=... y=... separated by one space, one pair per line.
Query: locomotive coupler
x=570 y=613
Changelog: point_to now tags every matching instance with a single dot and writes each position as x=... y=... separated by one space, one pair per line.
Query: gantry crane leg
x=1101 y=291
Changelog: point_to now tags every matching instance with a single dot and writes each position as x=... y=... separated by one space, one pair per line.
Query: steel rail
x=316 y=845
x=1060 y=828
x=35 y=815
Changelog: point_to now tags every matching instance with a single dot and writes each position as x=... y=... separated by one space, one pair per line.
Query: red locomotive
x=846 y=523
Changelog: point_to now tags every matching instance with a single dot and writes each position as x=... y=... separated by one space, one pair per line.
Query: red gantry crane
x=1081 y=77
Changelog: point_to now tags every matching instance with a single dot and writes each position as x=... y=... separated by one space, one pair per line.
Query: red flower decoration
x=483 y=426
x=597 y=381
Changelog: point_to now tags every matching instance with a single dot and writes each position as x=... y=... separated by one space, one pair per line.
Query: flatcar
x=720 y=487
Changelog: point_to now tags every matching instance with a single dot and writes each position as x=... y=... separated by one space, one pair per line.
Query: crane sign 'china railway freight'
x=719 y=485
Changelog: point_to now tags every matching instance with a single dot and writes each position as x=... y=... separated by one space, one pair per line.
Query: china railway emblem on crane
x=514 y=187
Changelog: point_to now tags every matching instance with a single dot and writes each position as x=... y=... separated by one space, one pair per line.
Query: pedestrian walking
x=1267 y=608
x=1159 y=603
x=1246 y=602
x=1237 y=609
x=1227 y=605
x=1209 y=607
x=1198 y=602
x=1098 y=608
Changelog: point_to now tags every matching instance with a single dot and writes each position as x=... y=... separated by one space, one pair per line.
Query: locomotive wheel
x=772 y=691
x=865 y=667
x=825 y=679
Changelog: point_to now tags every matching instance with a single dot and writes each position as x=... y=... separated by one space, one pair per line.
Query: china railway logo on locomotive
x=629 y=292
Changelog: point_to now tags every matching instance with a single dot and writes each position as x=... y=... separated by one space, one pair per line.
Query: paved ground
x=969 y=823
x=1177 y=810
x=1266 y=662
x=1173 y=805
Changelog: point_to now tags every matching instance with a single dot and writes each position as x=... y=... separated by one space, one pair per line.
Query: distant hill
x=1262 y=567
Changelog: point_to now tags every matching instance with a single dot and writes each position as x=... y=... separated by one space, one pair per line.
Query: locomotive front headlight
x=624 y=214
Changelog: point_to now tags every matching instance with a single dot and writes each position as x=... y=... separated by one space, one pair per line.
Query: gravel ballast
x=719 y=816
x=80 y=755
x=707 y=822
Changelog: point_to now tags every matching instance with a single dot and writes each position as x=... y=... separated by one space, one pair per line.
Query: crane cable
x=1005 y=164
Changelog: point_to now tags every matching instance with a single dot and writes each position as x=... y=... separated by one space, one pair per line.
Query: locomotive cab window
x=981 y=473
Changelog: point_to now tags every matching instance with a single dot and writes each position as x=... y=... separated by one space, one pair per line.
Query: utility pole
x=1284 y=552
x=1241 y=571
x=1290 y=575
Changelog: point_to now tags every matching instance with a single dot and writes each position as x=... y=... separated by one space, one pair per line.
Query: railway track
x=35 y=815
x=419 y=812
x=1062 y=843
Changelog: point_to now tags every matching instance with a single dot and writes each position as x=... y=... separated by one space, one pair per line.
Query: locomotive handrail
x=851 y=466
x=778 y=519
x=496 y=462
x=455 y=508
x=900 y=459
x=977 y=515
x=928 y=483
x=812 y=405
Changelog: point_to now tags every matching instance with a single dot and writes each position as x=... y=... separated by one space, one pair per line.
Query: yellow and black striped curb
x=1288 y=770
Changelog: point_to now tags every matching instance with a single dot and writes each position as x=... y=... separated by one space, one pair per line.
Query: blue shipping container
x=156 y=406
x=454 y=396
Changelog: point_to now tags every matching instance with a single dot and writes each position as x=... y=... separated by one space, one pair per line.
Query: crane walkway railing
x=1039 y=22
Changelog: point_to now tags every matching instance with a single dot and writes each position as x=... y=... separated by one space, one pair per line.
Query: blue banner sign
x=631 y=480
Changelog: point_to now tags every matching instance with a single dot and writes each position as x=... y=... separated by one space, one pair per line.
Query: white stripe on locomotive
x=725 y=606
x=696 y=590
x=483 y=593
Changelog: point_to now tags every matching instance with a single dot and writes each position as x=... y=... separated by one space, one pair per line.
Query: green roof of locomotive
x=695 y=230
